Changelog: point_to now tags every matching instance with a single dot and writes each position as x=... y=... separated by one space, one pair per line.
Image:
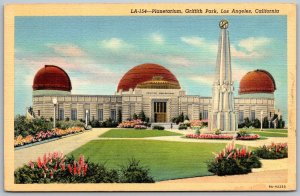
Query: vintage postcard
x=150 y=97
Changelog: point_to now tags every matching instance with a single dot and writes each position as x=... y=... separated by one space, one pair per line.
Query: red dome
x=258 y=81
x=145 y=72
x=52 y=77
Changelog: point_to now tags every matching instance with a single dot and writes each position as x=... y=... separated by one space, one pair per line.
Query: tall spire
x=222 y=115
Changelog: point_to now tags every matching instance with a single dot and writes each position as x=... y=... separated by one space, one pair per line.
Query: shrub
x=157 y=127
x=69 y=124
x=256 y=123
x=182 y=127
x=57 y=168
x=95 y=123
x=273 y=151
x=217 y=132
x=140 y=127
x=133 y=172
x=243 y=133
x=233 y=161
x=109 y=123
x=24 y=126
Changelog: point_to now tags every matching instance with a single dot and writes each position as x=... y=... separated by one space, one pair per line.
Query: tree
x=186 y=117
x=256 y=123
x=265 y=122
x=119 y=116
x=247 y=122
x=134 y=116
x=142 y=115
x=181 y=117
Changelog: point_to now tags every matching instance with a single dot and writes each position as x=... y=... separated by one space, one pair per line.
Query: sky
x=97 y=51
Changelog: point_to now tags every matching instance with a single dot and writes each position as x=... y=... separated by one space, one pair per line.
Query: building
x=155 y=90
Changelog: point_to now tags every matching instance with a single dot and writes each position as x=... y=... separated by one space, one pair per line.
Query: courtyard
x=168 y=154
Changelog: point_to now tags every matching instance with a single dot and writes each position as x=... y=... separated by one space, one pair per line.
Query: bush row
x=57 y=168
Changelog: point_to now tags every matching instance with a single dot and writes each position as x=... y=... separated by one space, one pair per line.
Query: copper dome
x=145 y=72
x=51 y=77
x=257 y=81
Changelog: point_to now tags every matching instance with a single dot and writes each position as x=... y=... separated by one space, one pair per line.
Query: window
x=100 y=114
x=200 y=116
x=39 y=112
x=252 y=115
x=205 y=114
x=74 y=114
x=61 y=114
x=241 y=116
x=113 y=114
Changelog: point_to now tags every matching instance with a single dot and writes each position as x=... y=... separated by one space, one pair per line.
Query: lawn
x=135 y=133
x=166 y=160
x=270 y=133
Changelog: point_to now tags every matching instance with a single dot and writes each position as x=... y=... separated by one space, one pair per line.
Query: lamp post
x=261 y=120
x=86 y=117
x=54 y=101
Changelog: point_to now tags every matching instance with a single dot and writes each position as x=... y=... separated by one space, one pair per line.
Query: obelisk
x=222 y=115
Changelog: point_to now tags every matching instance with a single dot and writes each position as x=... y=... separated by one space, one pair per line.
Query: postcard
x=150 y=97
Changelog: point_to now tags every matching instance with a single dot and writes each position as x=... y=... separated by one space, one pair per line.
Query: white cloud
x=244 y=55
x=203 y=79
x=157 y=38
x=67 y=50
x=200 y=42
x=253 y=43
x=114 y=43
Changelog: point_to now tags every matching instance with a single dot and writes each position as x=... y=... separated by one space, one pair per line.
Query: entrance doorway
x=160 y=111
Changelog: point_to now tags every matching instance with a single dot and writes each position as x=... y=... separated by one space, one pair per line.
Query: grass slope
x=134 y=133
x=166 y=160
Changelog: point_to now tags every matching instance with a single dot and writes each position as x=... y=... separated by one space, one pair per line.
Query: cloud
x=67 y=50
x=204 y=79
x=244 y=55
x=114 y=43
x=157 y=38
x=200 y=42
x=253 y=43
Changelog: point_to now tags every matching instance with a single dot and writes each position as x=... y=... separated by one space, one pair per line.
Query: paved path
x=272 y=171
x=65 y=145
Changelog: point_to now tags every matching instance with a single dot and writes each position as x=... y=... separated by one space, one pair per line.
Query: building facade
x=155 y=90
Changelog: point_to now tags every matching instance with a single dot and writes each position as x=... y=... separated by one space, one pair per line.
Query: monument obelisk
x=222 y=115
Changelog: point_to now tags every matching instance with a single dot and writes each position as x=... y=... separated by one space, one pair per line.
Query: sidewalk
x=65 y=145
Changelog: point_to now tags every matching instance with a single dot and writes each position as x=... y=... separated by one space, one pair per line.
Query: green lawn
x=271 y=130
x=166 y=160
x=135 y=133
x=270 y=133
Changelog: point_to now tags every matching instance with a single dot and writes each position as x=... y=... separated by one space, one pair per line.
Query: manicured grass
x=166 y=160
x=135 y=133
x=271 y=130
x=269 y=134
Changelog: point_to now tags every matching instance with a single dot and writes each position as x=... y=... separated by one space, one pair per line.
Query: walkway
x=272 y=171
x=65 y=145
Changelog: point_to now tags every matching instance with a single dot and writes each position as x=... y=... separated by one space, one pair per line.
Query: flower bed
x=131 y=123
x=58 y=168
x=44 y=135
x=233 y=160
x=221 y=136
x=140 y=127
x=273 y=151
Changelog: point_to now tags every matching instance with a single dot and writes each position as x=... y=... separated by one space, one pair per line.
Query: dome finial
x=223 y=24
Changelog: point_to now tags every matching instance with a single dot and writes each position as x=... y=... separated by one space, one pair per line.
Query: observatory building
x=154 y=89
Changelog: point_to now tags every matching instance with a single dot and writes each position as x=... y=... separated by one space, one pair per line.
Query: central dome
x=146 y=72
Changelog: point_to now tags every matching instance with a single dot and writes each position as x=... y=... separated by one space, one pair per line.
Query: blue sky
x=97 y=51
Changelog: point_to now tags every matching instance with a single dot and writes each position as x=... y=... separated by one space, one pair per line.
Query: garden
x=28 y=131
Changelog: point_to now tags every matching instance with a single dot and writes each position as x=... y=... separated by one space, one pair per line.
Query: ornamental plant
x=221 y=136
x=44 y=135
x=131 y=123
x=273 y=151
x=233 y=160
x=140 y=127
